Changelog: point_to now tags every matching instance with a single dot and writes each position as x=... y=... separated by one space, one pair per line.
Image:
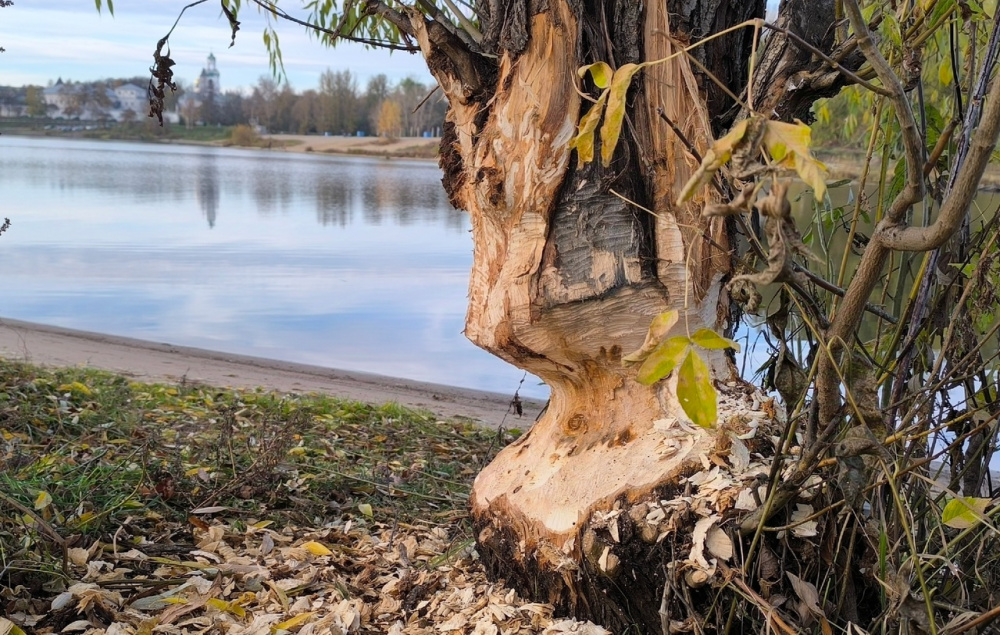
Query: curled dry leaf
x=783 y=240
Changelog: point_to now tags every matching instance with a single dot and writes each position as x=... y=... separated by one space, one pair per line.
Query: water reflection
x=342 y=262
x=208 y=188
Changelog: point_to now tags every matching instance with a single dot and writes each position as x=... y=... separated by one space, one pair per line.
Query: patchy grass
x=89 y=457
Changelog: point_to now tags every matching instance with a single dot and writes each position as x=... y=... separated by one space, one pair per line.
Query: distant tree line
x=338 y=106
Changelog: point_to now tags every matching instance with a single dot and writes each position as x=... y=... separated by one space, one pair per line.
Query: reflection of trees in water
x=207 y=188
x=88 y=167
x=273 y=189
x=383 y=195
x=334 y=203
x=343 y=192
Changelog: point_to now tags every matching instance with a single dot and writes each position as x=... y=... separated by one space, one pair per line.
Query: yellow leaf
x=788 y=144
x=584 y=139
x=226 y=607
x=365 y=509
x=615 y=114
x=658 y=329
x=316 y=548
x=74 y=387
x=717 y=156
x=707 y=338
x=43 y=500
x=945 y=76
x=962 y=513
x=298 y=620
x=696 y=392
x=600 y=72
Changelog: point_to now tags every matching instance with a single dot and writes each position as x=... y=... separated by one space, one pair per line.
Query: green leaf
x=962 y=513
x=707 y=338
x=696 y=392
x=662 y=361
x=365 y=509
x=584 y=140
x=600 y=72
x=615 y=114
x=658 y=329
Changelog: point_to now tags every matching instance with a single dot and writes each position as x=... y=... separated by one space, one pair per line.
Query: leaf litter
x=133 y=509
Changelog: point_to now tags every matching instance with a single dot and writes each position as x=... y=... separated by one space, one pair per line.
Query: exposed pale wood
x=682 y=236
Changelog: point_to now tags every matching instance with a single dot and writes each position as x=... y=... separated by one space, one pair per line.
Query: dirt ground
x=161 y=362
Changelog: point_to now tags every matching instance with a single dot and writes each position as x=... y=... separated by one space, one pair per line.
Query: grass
x=90 y=456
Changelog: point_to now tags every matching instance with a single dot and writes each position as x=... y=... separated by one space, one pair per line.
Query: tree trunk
x=568 y=275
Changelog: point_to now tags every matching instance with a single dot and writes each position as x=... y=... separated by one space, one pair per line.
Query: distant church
x=208 y=81
x=206 y=86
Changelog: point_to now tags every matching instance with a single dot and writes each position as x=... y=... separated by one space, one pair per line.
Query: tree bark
x=568 y=275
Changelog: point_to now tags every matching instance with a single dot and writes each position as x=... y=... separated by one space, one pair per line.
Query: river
x=343 y=262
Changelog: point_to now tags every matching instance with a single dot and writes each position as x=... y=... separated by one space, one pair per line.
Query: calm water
x=350 y=263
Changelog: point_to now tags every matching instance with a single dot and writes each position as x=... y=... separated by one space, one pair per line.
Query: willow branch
x=392 y=16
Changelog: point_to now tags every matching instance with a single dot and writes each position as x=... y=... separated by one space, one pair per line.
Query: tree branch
x=966 y=184
x=913 y=146
x=392 y=16
x=869 y=270
x=974 y=152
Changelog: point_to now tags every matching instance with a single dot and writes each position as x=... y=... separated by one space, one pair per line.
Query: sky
x=49 y=39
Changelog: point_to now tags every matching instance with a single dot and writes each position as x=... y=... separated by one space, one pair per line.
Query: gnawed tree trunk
x=568 y=275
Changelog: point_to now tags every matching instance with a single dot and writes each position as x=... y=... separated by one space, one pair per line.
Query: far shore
x=417 y=148
x=402 y=147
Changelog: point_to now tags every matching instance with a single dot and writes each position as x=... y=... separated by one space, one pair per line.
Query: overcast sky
x=48 y=39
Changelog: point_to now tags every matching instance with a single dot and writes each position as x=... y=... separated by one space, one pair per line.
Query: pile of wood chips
x=248 y=579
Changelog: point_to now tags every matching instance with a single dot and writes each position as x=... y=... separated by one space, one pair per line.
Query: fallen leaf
x=316 y=549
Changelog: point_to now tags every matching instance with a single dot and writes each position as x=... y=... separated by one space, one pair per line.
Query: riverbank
x=403 y=147
x=425 y=148
x=165 y=363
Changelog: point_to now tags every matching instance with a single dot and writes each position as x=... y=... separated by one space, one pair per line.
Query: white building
x=131 y=97
x=87 y=102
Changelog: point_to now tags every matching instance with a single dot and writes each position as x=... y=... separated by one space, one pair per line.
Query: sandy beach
x=403 y=147
x=166 y=363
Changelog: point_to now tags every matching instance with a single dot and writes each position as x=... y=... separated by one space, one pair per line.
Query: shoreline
x=410 y=148
x=157 y=362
